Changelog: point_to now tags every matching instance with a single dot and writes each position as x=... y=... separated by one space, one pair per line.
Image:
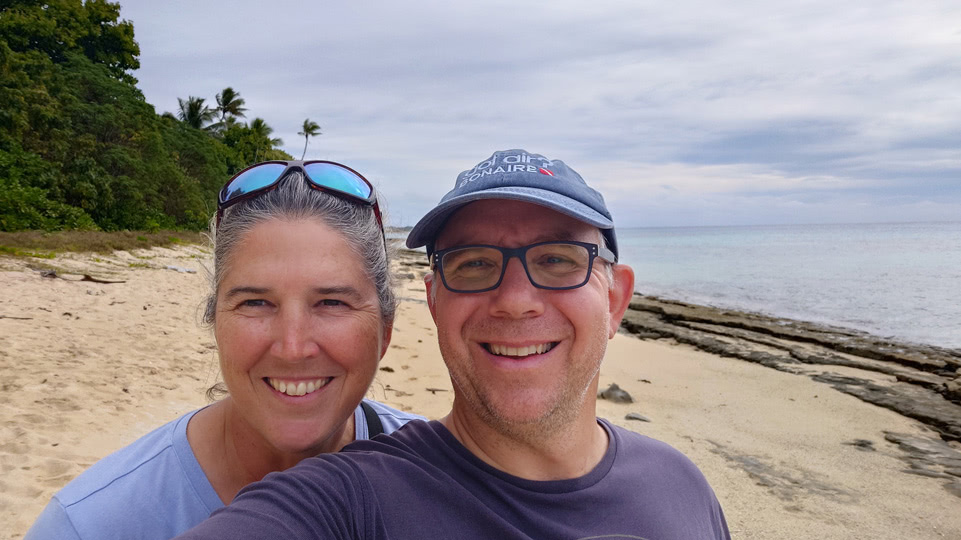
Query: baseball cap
x=520 y=176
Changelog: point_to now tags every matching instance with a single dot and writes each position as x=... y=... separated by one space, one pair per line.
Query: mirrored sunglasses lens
x=338 y=178
x=558 y=265
x=252 y=179
x=472 y=269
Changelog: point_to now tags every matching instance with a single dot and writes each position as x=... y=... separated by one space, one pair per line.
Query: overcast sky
x=681 y=113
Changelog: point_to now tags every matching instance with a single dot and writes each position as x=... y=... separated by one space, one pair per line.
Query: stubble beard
x=561 y=411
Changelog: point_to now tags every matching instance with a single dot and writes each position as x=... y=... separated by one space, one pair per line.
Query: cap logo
x=505 y=163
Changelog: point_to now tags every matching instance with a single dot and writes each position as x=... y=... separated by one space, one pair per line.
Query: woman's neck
x=232 y=454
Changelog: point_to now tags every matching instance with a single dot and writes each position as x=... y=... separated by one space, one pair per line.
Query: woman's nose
x=297 y=338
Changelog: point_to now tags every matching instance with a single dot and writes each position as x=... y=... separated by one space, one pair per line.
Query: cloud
x=742 y=111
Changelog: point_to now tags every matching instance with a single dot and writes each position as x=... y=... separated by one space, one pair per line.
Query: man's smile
x=518 y=352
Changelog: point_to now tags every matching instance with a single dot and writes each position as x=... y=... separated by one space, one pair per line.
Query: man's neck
x=531 y=451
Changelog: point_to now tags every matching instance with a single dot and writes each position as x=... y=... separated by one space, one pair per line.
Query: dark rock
x=952 y=390
x=387 y=369
x=926 y=473
x=954 y=488
x=636 y=416
x=862 y=444
x=616 y=394
x=834 y=378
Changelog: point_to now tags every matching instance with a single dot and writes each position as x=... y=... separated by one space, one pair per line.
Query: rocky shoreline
x=923 y=382
x=918 y=381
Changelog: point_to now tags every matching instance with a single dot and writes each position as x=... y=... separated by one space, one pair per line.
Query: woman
x=302 y=311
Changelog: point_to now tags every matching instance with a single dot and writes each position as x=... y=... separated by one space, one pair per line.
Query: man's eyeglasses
x=549 y=265
x=328 y=176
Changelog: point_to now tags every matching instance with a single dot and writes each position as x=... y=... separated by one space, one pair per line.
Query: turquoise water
x=901 y=281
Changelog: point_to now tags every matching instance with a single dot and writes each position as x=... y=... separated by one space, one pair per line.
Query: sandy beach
x=87 y=367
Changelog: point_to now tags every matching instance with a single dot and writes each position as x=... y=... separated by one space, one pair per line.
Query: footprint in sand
x=61 y=404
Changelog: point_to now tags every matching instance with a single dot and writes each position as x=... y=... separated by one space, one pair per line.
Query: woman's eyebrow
x=246 y=290
x=345 y=291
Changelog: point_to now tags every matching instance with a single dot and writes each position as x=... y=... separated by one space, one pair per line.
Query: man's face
x=492 y=342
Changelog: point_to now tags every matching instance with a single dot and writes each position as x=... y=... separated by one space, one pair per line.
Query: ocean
x=896 y=280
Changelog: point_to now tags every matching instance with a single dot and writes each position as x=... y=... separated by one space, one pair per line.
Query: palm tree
x=262 y=132
x=230 y=106
x=311 y=129
x=194 y=113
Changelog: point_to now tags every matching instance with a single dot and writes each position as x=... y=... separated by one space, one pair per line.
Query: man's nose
x=516 y=297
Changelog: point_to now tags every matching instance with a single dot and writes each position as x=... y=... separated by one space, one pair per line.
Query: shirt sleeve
x=52 y=524
x=319 y=498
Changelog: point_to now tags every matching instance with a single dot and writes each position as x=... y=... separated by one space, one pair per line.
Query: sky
x=682 y=113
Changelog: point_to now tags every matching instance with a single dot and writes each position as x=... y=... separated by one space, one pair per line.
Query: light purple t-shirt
x=153 y=489
x=422 y=483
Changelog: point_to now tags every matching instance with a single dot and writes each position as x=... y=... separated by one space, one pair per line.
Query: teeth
x=298 y=388
x=503 y=350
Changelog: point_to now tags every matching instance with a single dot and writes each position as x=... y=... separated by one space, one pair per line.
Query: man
x=525 y=292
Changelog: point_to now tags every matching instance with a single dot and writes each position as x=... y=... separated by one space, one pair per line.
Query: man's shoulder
x=654 y=458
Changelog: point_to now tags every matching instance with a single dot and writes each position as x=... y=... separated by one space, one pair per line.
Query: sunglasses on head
x=328 y=176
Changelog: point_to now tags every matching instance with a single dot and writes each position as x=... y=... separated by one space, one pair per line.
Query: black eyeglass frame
x=301 y=166
x=594 y=251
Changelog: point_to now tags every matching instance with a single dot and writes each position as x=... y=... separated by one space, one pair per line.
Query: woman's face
x=300 y=334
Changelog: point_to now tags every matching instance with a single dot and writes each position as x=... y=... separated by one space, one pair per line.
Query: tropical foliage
x=80 y=148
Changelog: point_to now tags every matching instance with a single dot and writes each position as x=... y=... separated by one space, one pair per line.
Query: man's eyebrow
x=554 y=236
x=558 y=235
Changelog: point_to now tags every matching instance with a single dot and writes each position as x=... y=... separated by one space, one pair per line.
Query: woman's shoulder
x=104 y=499
x=391 y=418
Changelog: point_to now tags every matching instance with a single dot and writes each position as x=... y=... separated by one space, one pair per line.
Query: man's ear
x=429 y=287
x=619 y=295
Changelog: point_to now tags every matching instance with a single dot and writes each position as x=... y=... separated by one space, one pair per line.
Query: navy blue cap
x=520 y=176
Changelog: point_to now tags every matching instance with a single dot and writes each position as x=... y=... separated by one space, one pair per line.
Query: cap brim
x=427 y=228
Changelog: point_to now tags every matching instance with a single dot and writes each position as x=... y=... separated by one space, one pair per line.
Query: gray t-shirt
x=421 y=482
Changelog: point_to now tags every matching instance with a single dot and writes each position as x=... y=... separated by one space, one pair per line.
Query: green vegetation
x=81 y=149
x=46 y=244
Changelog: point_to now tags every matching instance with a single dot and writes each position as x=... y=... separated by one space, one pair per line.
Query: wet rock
x=636 y=416
x=615 y=394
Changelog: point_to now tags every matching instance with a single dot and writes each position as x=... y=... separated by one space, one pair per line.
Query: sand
x=86 y=368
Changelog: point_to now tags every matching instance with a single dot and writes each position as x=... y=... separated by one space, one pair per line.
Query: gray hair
x=293 y=199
